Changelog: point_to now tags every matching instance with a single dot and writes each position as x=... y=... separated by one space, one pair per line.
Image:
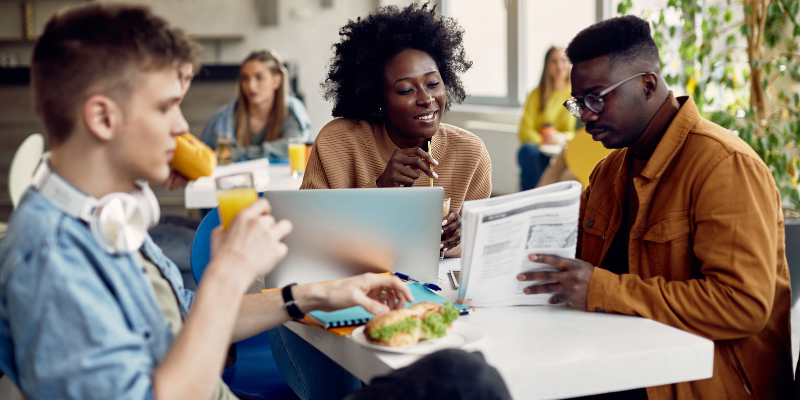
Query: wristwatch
x=290 y=304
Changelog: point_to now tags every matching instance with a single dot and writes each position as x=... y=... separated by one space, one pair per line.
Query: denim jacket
x=75 y=321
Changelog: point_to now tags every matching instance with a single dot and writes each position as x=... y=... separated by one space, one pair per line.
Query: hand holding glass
x=234 y=193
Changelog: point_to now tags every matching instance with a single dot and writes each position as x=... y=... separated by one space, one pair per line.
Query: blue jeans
x=533 y=163
x=311 y=374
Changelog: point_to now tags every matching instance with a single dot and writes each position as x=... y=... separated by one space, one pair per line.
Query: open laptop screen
x=342 y=232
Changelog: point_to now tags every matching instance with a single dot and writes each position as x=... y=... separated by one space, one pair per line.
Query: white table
x=552 y=352
x=202 y=192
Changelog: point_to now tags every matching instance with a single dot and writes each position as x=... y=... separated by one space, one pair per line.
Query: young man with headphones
x=89 y=306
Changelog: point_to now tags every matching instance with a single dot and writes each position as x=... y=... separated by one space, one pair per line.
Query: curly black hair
x=624 y=39
x=355 y=74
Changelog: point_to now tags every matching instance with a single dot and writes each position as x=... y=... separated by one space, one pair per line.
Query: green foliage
x=624 y=6
x=704 y=54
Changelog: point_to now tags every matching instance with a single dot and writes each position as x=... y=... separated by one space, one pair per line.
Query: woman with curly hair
x=392 y=76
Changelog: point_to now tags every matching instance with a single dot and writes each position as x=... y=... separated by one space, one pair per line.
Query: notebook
x=358 y=315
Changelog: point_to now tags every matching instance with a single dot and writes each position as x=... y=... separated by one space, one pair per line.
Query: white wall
x=304 y=35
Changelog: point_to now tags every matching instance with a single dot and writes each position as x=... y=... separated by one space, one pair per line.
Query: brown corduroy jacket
x=705 y=254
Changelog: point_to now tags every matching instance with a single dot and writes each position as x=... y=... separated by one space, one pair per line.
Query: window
x=506 y=40
x=551 y=24
x=485 y=24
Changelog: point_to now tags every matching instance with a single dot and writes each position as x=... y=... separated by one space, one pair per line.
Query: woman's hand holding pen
x=404 y=166
x=451 y=228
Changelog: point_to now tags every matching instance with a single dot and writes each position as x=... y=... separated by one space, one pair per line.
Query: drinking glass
x=224 y=148
x=297 y=156
x=547 y=131
x=445 y=211
x=234 y=193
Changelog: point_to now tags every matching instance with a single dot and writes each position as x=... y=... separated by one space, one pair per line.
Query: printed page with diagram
x=499 y=233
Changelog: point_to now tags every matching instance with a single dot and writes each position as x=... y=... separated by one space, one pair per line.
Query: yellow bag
x=193 y=158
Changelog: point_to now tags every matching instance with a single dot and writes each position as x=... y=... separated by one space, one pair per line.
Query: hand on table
x=451 y=226
x=175 y=181
x=403 y=167
x=253 y=243
x=570 y=284
x=376 y=293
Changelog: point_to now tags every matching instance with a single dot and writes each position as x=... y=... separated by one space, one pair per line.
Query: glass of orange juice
x=234 y=193
x=297 y=156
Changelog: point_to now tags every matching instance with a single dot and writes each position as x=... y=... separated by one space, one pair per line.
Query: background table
x=552 y=352
x=202 y=192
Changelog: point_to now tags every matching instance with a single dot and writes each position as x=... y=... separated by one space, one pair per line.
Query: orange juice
x=297 y=157
x=232 y=201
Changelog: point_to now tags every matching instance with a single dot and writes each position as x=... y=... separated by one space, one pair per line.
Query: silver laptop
x=343 y=232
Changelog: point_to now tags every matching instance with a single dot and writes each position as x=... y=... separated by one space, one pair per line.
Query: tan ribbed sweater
x=350 y=154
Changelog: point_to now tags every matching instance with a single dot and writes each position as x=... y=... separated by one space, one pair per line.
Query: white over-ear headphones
x=119 y=221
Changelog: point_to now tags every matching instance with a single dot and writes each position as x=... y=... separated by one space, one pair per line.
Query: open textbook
x=499 y=233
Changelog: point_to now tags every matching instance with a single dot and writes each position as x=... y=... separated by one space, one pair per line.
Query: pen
x=405 y=277
x=410 y=279
x=466 y=311
x=431 y=165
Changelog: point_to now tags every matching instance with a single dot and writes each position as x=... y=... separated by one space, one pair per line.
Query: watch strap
x=290 y=304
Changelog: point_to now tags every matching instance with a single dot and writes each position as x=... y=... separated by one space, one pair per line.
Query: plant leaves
x=746 y=30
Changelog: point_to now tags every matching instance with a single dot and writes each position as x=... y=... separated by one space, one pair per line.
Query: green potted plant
x=740 y=60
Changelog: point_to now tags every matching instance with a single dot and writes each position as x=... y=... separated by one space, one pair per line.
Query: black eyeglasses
x=594 y=102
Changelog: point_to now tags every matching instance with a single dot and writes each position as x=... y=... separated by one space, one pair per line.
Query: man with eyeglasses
x=681 y=223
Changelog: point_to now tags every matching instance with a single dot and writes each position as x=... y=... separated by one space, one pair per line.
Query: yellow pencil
x=429 y=153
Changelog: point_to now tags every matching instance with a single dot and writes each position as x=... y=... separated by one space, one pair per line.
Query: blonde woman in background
x=264 y=116
x=545 y=121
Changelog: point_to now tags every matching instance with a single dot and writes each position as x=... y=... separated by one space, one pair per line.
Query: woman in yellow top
x=545 y=120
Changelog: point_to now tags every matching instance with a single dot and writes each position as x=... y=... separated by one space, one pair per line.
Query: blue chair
x=255 y=374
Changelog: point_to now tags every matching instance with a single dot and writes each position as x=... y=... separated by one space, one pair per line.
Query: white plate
x=462 y=335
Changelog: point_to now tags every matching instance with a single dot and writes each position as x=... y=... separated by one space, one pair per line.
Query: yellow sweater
x=554 y=113
x=350 y=154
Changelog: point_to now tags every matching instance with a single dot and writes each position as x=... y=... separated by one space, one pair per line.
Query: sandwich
x=436 y=319
x=398 y=328
x=402 y=328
